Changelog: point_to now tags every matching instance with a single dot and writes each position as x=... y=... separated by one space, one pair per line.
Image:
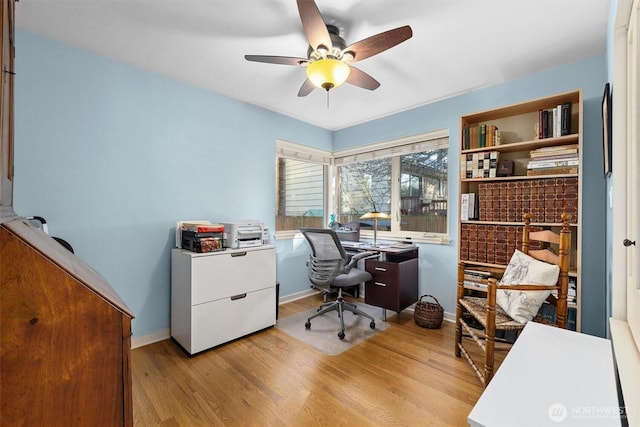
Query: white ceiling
x=457 y=45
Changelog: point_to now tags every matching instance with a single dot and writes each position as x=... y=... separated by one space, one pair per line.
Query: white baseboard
x=297 y=296
x=150 y=339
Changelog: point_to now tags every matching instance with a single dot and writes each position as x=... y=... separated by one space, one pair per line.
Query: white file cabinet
x=220 y=296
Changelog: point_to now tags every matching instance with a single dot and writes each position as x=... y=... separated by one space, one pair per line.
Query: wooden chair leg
x=460 y=294
x=490 y=332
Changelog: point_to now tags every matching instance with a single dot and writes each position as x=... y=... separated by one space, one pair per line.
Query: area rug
x=323 y=334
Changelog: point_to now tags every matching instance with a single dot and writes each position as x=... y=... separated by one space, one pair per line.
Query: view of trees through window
x=367 y=186
x=423 y=191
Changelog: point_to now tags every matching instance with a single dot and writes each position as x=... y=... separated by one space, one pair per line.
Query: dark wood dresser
x=65 y=337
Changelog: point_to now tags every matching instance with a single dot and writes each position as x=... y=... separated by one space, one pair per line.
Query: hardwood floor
x=404 y=376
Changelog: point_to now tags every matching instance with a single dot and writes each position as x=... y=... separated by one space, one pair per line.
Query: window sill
x=427 y=238
x=288 y=235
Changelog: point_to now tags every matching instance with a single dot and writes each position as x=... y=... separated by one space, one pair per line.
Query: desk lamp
x=375 y=215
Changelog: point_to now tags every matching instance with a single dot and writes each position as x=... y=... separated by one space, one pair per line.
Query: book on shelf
x=467 y=206
x=565 y=119
x=463 y=166
x=480 y=136
x=474 y=278
x=571 y=318
x=554 y=122
x=557 y=170
x=479 y=165
x=541 y=164
x=572 y=292
x=561 y=155
x=554 y=150
x=476 y=274
x=471 y=284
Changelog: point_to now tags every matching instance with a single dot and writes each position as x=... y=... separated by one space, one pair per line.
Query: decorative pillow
x=523 y=306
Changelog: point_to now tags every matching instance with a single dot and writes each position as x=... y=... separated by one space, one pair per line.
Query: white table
x=551 y=377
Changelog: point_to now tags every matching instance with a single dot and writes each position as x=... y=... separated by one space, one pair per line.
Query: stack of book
x=554 y=160
x=480 y=136
x=474 y=278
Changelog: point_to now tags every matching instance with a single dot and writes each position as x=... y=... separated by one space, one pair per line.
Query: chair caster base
x=372 y=324
x=341 y=335
x=307 y=325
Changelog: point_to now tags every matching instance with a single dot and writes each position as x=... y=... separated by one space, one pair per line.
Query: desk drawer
x=217 y=322
x=381 y=294
x=382 y=289
x=382 y=270
x=230 y=273
x=394 y=285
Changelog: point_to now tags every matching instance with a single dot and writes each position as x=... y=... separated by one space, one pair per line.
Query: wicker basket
x=428 y=314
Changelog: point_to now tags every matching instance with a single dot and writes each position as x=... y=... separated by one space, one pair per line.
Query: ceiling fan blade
x=284 y=60
x=313 y=25
x=306 y=88
x=378 y=43
x=361 y=79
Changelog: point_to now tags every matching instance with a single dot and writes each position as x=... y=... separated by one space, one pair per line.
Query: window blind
x=415 y=144
x=303 y=153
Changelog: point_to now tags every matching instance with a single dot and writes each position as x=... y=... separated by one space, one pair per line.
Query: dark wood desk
x=394 y=285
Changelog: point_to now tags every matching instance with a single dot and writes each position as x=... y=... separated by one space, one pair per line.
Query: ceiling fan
x=329 y=59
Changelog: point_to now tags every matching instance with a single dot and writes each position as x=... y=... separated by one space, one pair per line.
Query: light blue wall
x=112 y=156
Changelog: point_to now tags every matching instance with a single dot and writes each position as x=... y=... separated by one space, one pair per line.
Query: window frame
x=331 y=161
x=303 y=153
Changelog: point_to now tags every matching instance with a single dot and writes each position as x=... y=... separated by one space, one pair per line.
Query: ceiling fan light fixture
x=328 y=73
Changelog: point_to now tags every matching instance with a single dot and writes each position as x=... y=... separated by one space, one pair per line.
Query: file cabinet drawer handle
x=237 y=297
x=235 y=254
x=380 y=269
x=380 y=284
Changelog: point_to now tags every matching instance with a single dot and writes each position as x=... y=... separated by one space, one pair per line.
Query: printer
x=243 y=234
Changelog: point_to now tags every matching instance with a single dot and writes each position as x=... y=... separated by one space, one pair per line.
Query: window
x=300 y=186
x=406 y=179
x=423 y=191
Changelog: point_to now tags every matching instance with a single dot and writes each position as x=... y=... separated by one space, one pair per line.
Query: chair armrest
x=357 y=257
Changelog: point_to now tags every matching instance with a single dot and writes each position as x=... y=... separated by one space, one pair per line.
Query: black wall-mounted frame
x=606 y=129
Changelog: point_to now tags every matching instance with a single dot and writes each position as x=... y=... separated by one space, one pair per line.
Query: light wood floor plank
x=404 y=376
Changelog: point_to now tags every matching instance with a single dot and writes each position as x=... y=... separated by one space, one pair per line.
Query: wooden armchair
x=505 y=302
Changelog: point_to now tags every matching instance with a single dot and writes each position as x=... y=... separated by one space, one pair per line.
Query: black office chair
x=330 y=266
